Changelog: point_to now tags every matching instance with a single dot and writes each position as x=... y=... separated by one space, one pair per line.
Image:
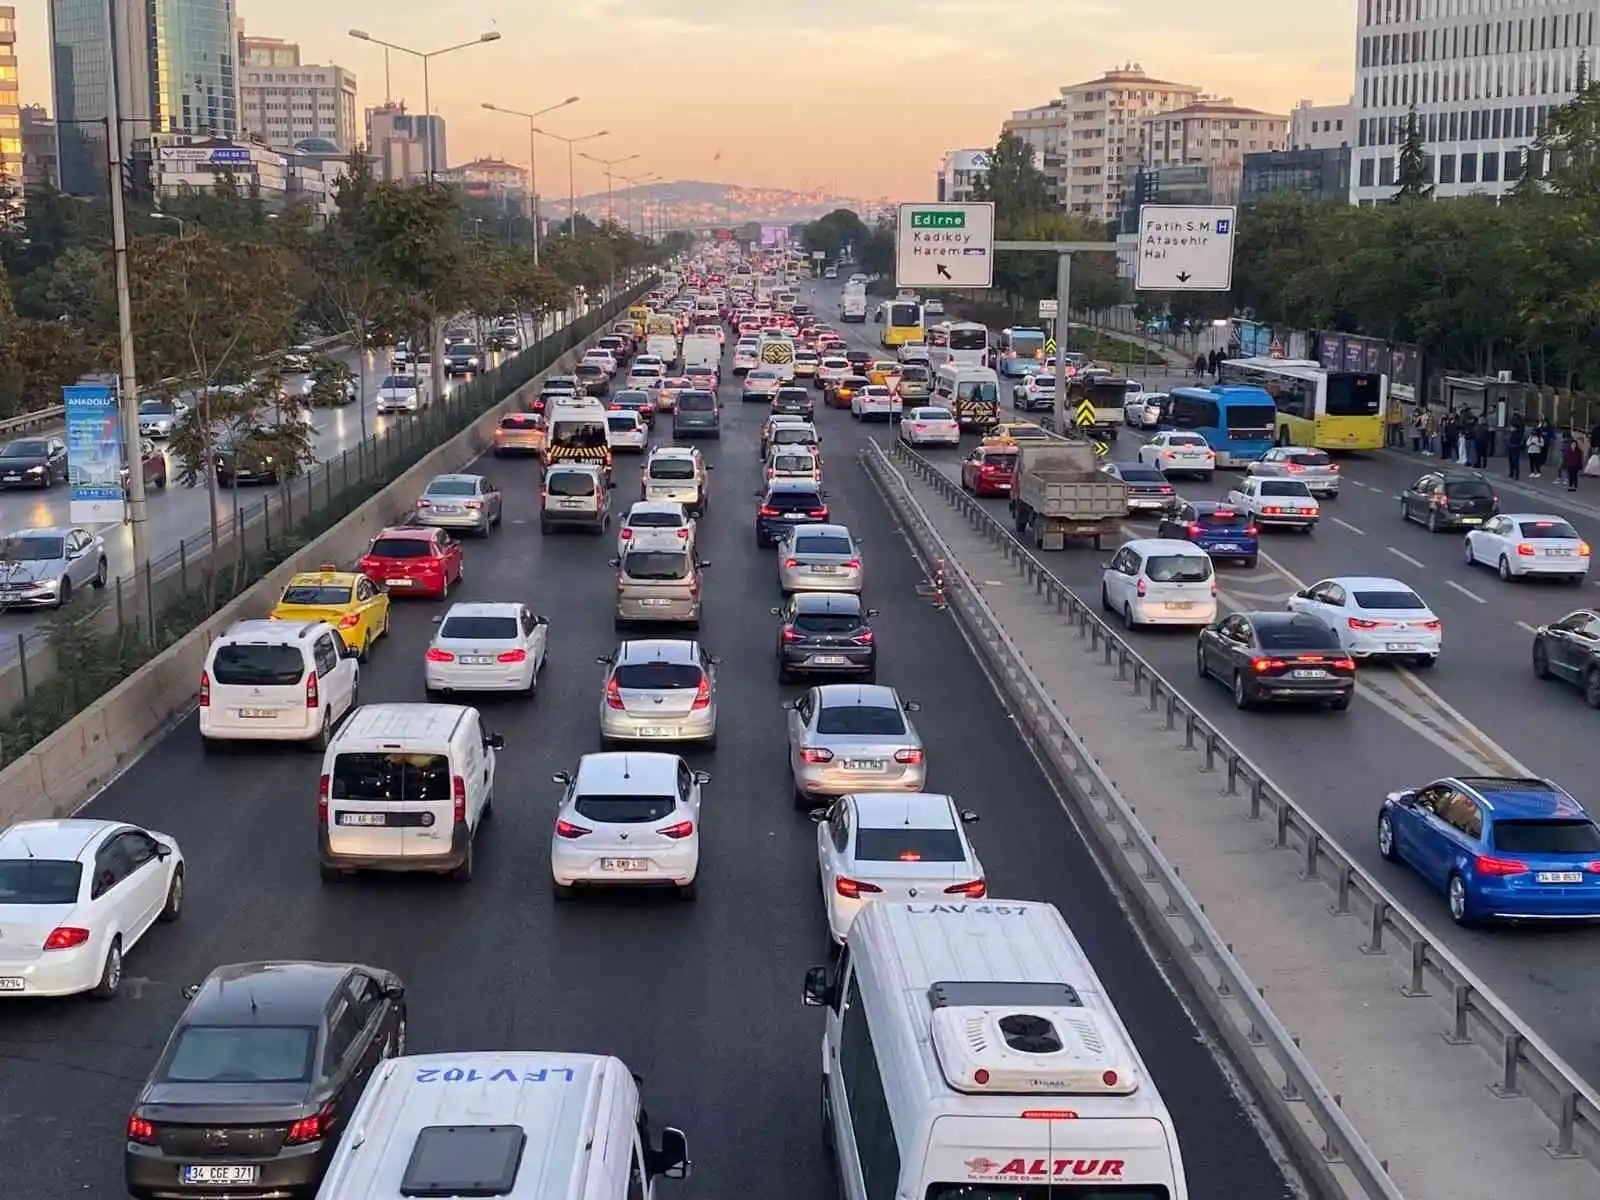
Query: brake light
x=766 y=510
x=909 y=757
x=349 y=620
x=789 y=634
x=1500 y=868
x=1441 y=502
x=813 y=754
x=475 y=504
x=1262 y=665
x=205 y=689
x=864 y=638
x=702 y=694
x=613 y=694
x=627 y=534
x=1433 y=626
x=140 y=1130
x=513 y=656
x=678 y=831
x=974 y=889
x=66 y=937
x=310 y=1129
x=1192 y=529
x=1343 y=664
x=791 y=563
x=820 y=514
x=566 y=829
x=1334 y=467
x=852 y=564
x=1271 y=510
x=1252 y=531
x=422 y=504
x=437 y=655
x=1526 y=550
x=323 y=786
x=854 y=889
x=458 y=790
x=313 y=697
x=1362 y=624
x=1295 y=468
x=1141 y=588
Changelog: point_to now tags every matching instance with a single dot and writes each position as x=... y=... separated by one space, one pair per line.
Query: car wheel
x=1591 y=688
x=1505 y=568
x=1105 y=599
x=1127 y=615
x=802 y=800
x=1200 y=663
x=100 y=573
x=1405 y=509
x=64 y=596
x=1386 y=838
x=1541 y=660
x=1433 y=521
x=173 y=908
x=1472 y=558
x=110 y=982
x=544 y=526
x=1242 y=699
x=1247 y=562
x=463 y=871
x=1424 y=661
x=1342 y=704
x=324 y=734
x=785 y=676
x=1460 y=902
x=365 y=652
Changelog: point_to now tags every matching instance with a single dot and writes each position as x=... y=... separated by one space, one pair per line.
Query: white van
x=777 y=352
x=277 y=681
x=702 y=350
x=524 y=1125
x=404 y=788
x=969 y=1046
x=663 y=346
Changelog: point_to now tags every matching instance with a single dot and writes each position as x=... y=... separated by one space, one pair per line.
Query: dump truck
x=1059 y=492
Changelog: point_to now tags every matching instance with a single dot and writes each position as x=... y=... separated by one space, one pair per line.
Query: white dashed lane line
x=1473 y=596
x=1401 y=554
x=1523 y=625
x=1343 y=524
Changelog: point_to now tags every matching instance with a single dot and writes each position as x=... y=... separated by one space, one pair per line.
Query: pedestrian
x=1514 y=446
x=1463 y=440
x=1536 y=448
x=1419 y=433
x=1214 y=361
x=1483 y=446
x=1199 y=365
x=1572 y=462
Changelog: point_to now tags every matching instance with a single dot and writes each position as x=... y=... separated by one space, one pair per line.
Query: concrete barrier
x=63 y=772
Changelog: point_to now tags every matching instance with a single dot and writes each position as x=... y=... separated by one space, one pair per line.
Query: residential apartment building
x=960 y=171
x=284 y=101
x=1482 y=76
x=41 y=162
x=1212 y=131
x=11 y=154
x=1321 y=126
x=398 y=142
x=489 y=179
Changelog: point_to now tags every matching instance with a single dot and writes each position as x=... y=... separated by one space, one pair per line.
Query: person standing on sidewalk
x=1572 y=462
x=1515 y=442
x=1199 y=366
x=1537 y=448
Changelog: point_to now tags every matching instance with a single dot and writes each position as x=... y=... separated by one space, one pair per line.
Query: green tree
x=1015 y=186
x=1414 y=167
x=835 y=231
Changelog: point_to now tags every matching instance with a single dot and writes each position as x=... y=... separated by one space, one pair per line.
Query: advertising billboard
x=94 y=453
x=774 y=235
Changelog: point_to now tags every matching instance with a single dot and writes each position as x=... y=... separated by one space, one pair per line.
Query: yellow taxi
x=1018 y=431
x=347 y=600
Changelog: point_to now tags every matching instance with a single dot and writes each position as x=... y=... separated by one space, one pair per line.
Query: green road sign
x=938 y=220
x=1085 y=413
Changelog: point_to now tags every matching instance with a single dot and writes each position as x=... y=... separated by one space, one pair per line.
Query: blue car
x=1500 y=849
x=1218 y=529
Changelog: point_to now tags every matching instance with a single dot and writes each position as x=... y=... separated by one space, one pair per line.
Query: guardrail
x=1526 y=1065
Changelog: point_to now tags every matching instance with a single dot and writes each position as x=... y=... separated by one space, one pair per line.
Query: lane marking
x=1343 y=524
x=1523 y=625
x=1403 y=555
x=1469 y=595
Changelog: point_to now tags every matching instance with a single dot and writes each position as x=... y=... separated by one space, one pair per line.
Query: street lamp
x=605 y=165
x=425 y=56
x=635 y=182
x=572 y=170
x=533 y=167
x=178 y=221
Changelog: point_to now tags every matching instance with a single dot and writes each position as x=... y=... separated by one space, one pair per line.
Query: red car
x=989 y=471
x=424 y=562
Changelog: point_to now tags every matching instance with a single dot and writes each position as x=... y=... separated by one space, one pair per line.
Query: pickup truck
x=1287 y=503
x=1059 y=492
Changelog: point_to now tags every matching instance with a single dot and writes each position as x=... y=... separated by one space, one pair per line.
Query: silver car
x=158 y=418
x=819 y=558
x=399 y=394
x=41 y=568
x=1311 y=467
x=659 y=583
x=848 y=737
x=659 y=690
x=459 y=502
x=676 y=473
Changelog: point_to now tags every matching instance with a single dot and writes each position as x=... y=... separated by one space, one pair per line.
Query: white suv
x=277 y=681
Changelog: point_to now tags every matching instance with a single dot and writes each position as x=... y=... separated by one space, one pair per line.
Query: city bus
x=1327 y=410
x=1020 y=352
x=901 y=321
x=963 y=342
x=1237 y=422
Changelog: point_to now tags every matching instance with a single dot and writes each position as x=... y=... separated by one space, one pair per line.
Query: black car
x=1449 y=500
x=794 y=402
x=592 y=379
x=33 y=462
x=1277 y=657
x=246 y=457
x=640 y=401
x=1148 y=489
x=464 y=358
x=858 y=360
x=785 y=504
x=826 y=633
x=1569 y=650
x=259 y=1078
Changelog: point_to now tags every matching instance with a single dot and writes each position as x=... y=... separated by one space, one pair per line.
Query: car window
x=322 y=594
x=1468 y=489
x=652 y=519
x=656 y=565
x=249 y=1054
x=138 y=848
x=394 y=383
x=344 y=1031
x=1308 y=458
x=863 y=719
x=1389 y=599
x=1547 y=837
x=1284 y=487
x=658 y=676
x=452 y=487
x=32 y=549
x=623 y=423
x=39 y=881
x=787 y=501
x=1177 y=568
x=1547 y=529
x=1296 y=636
x=900 y=844
x=569 y=483
x=400 y=548
x=489 y=629
x=624 y=810
x=326 y=654
x=822 y=544
x=826 y=622
x=671 y=468
x=237 y=663
x=377 y=777
x=696 y=402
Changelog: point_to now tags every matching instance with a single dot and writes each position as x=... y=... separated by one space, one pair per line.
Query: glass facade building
x=194 y=78
x=84 y=65
x=1319 y=175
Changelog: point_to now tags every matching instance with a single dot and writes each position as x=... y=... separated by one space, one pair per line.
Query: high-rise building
x=1321 y=126
x=1482 y=82
x=11 y=166
x=82 y=66
x=284 y=101
x=194 y=79
x=398 y=142
x=41 y=161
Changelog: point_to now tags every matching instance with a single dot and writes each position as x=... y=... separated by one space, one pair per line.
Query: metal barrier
x=1525 y=1065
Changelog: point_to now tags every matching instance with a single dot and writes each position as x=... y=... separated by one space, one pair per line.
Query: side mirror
x=714 y=659
x=818 y=992
x=603 y=659
x=562 y=777
x=871 y=612
x=436 y=620
x=702 y=776
x=541 y=620
x=968 y=817
x=789 y=705
x=777 y=612
x=350 y=652
x=163 y=852
x=818 y=815
x=191 y=990
x=702 y=564
x=494 y=741
x=672 y=1160
x=713 y=467
x=395 y=990
x=911 y=706
x=1303 y=594
x=614 y=562
x=824 y=493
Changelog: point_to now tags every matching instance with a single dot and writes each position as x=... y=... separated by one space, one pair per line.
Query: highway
x=1479 y=710
x=702 y=999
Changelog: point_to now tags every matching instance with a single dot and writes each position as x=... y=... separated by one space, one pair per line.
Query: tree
x=876 y=253
x=1013 y=183
x=1414 y=167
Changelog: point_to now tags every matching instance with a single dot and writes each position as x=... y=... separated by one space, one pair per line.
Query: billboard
x=94 y=453
x=774 y=235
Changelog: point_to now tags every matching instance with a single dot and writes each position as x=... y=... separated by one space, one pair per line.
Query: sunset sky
x=795 y=93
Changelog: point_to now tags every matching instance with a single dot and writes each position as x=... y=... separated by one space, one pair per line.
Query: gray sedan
x=660 y=690
x=819 y=558
x=847 y=737
x=459 y=502
x=41 y=568
x=1314 y=468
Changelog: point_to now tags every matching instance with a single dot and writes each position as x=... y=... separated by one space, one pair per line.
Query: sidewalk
x=1420 y=1102
x=1550 y=489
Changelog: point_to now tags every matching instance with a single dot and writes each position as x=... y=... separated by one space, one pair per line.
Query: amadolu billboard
x=94 y=453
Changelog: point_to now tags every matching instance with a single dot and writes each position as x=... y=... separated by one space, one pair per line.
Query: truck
x=1059 y=492
x=853 y=305
x=1107 y=397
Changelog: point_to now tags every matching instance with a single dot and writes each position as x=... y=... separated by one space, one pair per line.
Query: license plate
x=401 y=582
x=624 y=864
x=210 y=1173
x=1178 y=605
x=829 y=660
x=1560 y=553
x=257 y=714
x=11 y=983
x=794 y=517
x=863 y=764
x=1308 y=674
x=445 y=508
x=1559 y=876
x=821 y=570
x=1226 y=547
x=1472 y=520
x=572 y=504
x=1399 y=646
x=655 y=731
x=655 y=603
x=367 y=819
x=475 y=660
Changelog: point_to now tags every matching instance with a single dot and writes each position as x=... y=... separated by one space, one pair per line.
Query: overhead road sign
x=1047 y=308
x=945 y=245
x=1185 y=248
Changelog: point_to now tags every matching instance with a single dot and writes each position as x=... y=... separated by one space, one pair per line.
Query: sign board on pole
x=819 y=255
x=944 y=245
x=1047 y=308
x=1185 y=248
x=94 y=454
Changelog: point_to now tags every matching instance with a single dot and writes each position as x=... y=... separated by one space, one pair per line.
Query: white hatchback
x=1522 y=544
x=655 y=521
x=628 y=819
x=1179 y=453
x=626 y=430
x=486 y=647
x=1374 y=617
x=277 y=681
x=874 y=402
x=1160 y=581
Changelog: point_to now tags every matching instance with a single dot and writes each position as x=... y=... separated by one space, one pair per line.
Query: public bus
x=1326 y=410
x=1020 y=352
x=963 y=342
x=1237 y=422
x=901 y=321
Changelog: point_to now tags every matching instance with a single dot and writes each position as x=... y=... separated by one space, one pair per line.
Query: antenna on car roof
x=627 y=767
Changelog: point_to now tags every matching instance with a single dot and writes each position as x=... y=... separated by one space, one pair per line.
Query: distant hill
x=693 y=201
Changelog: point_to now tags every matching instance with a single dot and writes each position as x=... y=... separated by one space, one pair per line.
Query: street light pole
x=427 y=96
x=606 y=164
x=572 y=172
x=533 y=159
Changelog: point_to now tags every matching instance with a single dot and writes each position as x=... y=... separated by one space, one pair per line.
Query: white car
x=875 y=402
x=913 y=352
x=627 y=819
x=1142 y=410
x=486 y=647
x=1283 y=503
x=399 y=394
x=1522 y=544
x=655 y=520
x=1310 y=466
x=604 y=359
x=278 y=681
x=1160 y=581
x=75 y=896
x=1374 y=617
x=1179 y=453
x=626 y=430
x=895 y=847
x=929 y=427
x=1036 y=393
x=831 y=370
x=793 y=463
x=745 y=357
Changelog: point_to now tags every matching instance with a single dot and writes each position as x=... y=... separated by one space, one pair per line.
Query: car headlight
x=35 y=470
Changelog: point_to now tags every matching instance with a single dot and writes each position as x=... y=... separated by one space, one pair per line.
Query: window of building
x=1447 y=168
x=1491 y=167
x=1365 y=177
x=1386 y=171
x=1469 y=168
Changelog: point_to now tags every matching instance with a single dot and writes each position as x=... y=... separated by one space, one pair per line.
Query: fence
x=70 y=661
x=1526 y=1066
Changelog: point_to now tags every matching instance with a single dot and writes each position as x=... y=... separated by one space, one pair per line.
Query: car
x=33 y=462
x=895 y=847
x=486 y=646
x=297 y=359
x=785 y=504
x=1216 y=527
x=697 y=414
x=251 y=1093
x=826 y=633
x=830 y=370
x=703 y=377
x=626 y=430
x=746 y=357
x=915 y=385
x=627 y=820
x=659 y=582
x=1282 y=503
x=819 y=558
x=1449 y=499
x=1160 y=581
x=353 y=604
x=410 y=560
x=1018 y=431
x=1277 y=657
x=76 y=895
x=677 y=473
x=1148 y=489
x=1314 y=468
x=460 y=501
x=875 y=402
x=805 y=363
x=519 y=433
x=990 y=469
x=593 y=380
x=858 y=360
x=794 y=462
x=914 y=352
x=602 y=356
x=763 y=384
x=789 y=431
x=853 y=737
x=794 y=402
x=1143 y=410
x=1569 y=650
x=1178 y=453
x=41 y=568
x=1374 y=617
x=399 y=394
x=652 y=522
x=842 y=392
x=640 y=400
x=1499 y=848
x=1520 y=545
x=276 y=681
x=158 y=417
x=658 y=690
x=152 y=465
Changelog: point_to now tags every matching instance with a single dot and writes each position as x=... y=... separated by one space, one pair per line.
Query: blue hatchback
x=1500 y=849
x=1218 y=529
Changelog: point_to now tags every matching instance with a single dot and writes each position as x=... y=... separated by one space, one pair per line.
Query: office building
x=1482 y=82
x=1321 y=126
x=194 y=164
x=1321 y=174
x=959 y=172
x=82 y=66
x=398 y=141
x=194 y=81
x=284 y=101
x=41 y=166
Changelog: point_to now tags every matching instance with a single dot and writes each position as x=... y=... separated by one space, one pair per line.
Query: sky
x=793 y=93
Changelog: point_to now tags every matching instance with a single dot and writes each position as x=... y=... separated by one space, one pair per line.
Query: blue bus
x=1238 y=423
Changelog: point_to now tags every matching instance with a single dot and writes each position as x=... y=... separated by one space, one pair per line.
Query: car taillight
x=437 y=655
x=1141 y=588
x=1343 y=664
x=767 y=510
x=324 y=786
x=851 y=564
x=627 y=535
x=512 y=656
x=566 y=829
x=1295 y=468
x=1526 y=550
x=820 y=514
x=613 y=694
x=1362 y=624
x=1433 y=626
x=475 y=505
x=908 y=757
x=974 y=889
x=789 y=634
x=349 y=620
x=313 y=696
x=458 y=792
x=678 y=831
x=1192 y=529
x=1262 y=665
x=205 y=689
x=1252 y=531
x=310 y=1129
x=1499 y=867
x=864 y=638
x=683 y=535
x=702 y=694
x=791 y=563
x=854 y=889
x=1271 y=510
x=66 y=937
x=813 y=754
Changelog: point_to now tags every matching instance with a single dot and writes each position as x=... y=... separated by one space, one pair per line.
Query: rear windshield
x=794 y=501
x=377 y=777
x=1296 y=635
x=401 y=548
x=911 y=373
x=569 y=483
x=1004 y=460
x=794 y=396
x=658 y=676
x=671 y=468
x=1408 y=600
x=1284 y=487
x=316 y=595
x=633 y=396
x=1141 y=475
x=656 y=564
x=1309 y=458
x=1226 y=518
x=822 y=543
x=1547 y=837
x=519 y=421
x=257 y=666
x=696 y=402
x=1468 y=487
x=625 y=810
x=488 y=629
x=1186 y=439
x=626 y=423
x=826 y=622
x=793 y=435
x=39 y=881
x=1547 y=529
x=1178 y=568
x=452 y=487
x=589 y=369
x=874 y=721
x=797 y=464
x=651 y=519
x=909 y=845
x=247 y=1054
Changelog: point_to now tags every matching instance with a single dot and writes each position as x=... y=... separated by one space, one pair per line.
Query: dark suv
x=786 y=504
x=1449 y=500
x=826 y=633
